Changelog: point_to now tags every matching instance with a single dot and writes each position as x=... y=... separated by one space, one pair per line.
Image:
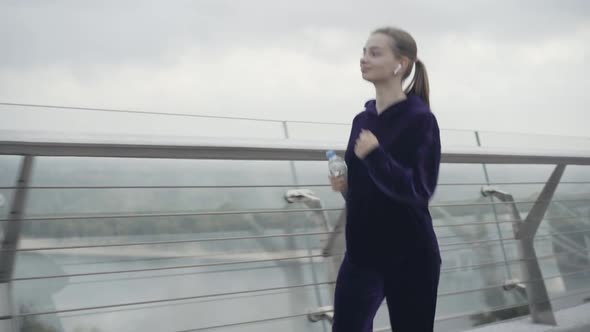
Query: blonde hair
x=404 y=45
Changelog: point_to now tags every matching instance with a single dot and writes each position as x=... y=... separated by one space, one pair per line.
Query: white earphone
x=399 y=66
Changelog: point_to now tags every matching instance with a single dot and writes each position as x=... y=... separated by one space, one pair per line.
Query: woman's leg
x=411 y=292
x=359 y=293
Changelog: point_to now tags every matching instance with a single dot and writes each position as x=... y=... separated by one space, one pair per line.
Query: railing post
x=313 y=202
x=507 y=271
x=335 y=244
x=12 y=228
x=320 y=218
x=524 y=231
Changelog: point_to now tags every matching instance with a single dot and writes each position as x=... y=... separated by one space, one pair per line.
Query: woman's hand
x=339 y=183
x=365 y=143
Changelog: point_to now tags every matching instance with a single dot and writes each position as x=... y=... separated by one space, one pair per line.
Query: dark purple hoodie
x=389 y=191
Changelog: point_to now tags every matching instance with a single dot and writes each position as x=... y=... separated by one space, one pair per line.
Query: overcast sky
x=494 y=65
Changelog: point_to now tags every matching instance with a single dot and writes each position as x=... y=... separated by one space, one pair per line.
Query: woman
x=393 y=159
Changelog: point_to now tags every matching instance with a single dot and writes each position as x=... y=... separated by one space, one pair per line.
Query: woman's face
x=378 y=63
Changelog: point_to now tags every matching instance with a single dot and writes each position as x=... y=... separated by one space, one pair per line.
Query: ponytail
x=404 y=45
x=419 y=85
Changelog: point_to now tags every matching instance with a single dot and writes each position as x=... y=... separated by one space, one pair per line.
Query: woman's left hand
x=365 y=143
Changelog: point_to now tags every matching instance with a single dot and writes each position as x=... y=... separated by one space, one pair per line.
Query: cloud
x=41 y=32
x=492 y=64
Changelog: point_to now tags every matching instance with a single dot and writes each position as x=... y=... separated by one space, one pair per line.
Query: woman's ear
x=405 y=64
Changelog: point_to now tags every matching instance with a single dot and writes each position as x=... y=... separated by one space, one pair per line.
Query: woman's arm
x=415 y=182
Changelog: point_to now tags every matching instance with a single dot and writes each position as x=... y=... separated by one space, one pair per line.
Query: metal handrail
x=446 y=237
x=515 y=239
x=132 y=244
x=263 y=211
x=253 y=237
x=174 y=214
x=138 y=146
x=272 y=260
x=176 y=299
x=512 y=221
x=177 y=267
x=252 y=186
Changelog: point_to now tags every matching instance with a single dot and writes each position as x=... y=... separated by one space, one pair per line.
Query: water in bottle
x=336 y=164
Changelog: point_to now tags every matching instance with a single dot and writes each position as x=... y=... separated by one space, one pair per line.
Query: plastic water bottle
x=336 y=164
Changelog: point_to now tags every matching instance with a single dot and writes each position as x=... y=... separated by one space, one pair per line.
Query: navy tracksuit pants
x=409 y=288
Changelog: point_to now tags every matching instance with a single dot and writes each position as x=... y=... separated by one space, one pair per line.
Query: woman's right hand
x=339 y=183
